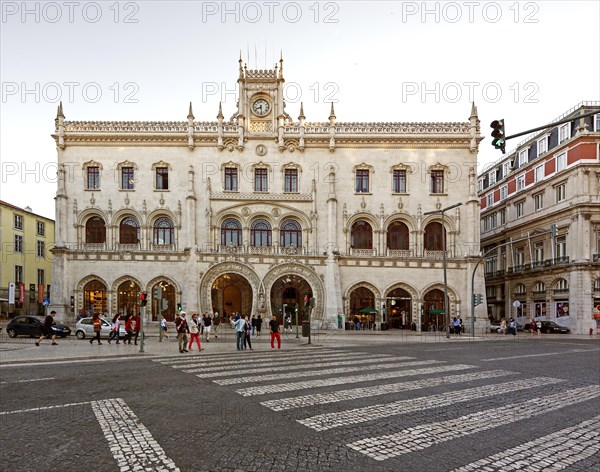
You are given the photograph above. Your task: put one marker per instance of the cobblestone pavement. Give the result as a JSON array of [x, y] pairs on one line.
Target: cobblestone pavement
[[386, 407]]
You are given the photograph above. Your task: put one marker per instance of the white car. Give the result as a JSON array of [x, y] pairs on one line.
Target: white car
[[85, 327]]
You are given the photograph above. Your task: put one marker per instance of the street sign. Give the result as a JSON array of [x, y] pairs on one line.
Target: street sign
[[46, 301], [516, 303]]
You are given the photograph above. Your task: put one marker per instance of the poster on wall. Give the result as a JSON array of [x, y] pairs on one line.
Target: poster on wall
[[562, 309], [540, 309]]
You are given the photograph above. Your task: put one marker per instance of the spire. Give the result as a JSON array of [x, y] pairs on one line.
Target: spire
[[473, 110], [301, 116], [220, 115], [241, 75], [332, 114], [190, 113], [59, 112], [281, 64]]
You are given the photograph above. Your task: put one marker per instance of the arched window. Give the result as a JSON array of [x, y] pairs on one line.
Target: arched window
[[290, 234], [129, 231], [260, 233], [562, 285], [164, 231], [434, 237], [520, 289], [361, 235], [397, 236], [539, 287], [95, 230], [231, 232]]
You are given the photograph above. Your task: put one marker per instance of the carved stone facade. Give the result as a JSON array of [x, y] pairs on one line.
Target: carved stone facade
[[247, 213]]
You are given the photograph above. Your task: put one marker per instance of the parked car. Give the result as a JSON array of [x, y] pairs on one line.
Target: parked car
[[495, 326], [552, 327], [85, 327], [28, 325]]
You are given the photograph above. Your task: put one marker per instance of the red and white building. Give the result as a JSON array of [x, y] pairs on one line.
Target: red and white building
[[551, 180]]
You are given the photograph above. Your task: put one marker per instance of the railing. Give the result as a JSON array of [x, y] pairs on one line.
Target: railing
[[162, 247], [518, 295], [560, 290], [561, 260], [362, 252], [92, 247], [128, 247], [400, 253], [537, 293]]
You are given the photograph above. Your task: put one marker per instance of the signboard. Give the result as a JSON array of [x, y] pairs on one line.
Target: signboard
[[516, 303], [21, 292], [45, 302], [11, 293]]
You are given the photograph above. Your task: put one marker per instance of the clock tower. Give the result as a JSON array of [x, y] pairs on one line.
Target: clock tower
[[261, 106]]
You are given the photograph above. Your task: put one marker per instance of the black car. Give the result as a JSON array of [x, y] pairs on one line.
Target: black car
[[552, 327], [32, 326]]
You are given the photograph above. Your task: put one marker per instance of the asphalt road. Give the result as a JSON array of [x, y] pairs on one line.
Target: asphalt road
[[531, 405]]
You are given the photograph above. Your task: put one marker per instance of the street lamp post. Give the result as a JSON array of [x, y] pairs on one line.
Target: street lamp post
[[446, 311]]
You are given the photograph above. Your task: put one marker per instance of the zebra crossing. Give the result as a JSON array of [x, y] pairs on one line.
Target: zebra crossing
[[394, 416]]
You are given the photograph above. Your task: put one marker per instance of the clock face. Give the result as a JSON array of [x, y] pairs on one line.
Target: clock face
[[261, 107]]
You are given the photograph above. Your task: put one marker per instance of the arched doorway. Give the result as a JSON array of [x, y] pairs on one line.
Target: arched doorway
[[94, 298], [128, 298], [163, 301], [231, 293], [433, 311], [399, 308], [362, 307], [289, 295]]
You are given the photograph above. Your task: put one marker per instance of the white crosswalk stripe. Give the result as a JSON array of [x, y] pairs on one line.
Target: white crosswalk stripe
[[555, 451], [401, 407], [274, 367], [222, 366], [424, 436], [246, 356], [340, 370], [288, 403], [288, 387]]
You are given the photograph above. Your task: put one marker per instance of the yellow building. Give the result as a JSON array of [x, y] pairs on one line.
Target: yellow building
[[25, 240]]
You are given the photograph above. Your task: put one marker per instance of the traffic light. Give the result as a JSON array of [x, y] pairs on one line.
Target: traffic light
[[312, 302], [498, 135], [477, 299], [296, 309], [143, 298], [179, 307], [306, 300], [553, 231]]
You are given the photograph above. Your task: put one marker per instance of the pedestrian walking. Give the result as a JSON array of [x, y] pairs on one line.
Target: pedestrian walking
[[532, 326], [97, 322], [47, 331], [163, 326], [181, 325], [538, 326], [128, 328], [456, 325], [253, 323], [216, 323], [114, 328], [137, 324], [207, 325], [259, 322], [340, 321], [275, 334], [503, 326], [248, 331], [240, 331], [194, 332]]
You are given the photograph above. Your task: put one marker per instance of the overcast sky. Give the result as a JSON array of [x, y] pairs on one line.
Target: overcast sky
[[526, 62]]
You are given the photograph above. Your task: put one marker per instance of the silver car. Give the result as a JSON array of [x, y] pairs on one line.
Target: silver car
[[85, 327]]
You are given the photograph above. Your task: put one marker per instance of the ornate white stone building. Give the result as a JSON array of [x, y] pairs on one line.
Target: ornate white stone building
[[257, 213]]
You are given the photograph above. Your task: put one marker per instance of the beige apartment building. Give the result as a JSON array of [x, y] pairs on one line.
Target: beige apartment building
[[540, 225], [26, 240], [265, 214]]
